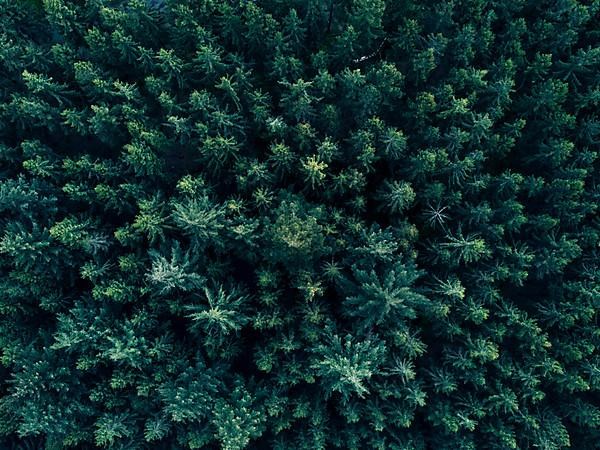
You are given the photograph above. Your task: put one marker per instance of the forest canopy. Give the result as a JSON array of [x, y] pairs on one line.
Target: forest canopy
[[299, 224]]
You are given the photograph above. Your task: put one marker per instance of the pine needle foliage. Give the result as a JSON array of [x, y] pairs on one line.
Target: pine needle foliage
[[285, 224]]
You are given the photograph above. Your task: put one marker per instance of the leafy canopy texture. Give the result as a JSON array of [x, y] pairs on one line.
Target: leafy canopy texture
[[299, 224]]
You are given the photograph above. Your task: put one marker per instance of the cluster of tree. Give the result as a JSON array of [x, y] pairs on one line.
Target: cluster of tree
[[300, 224]]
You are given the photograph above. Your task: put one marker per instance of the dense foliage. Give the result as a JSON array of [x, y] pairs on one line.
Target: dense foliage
[[300, 224]]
